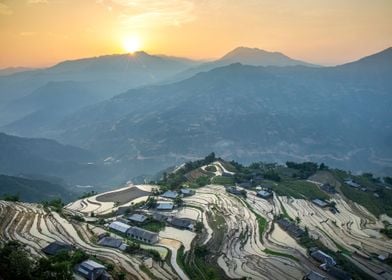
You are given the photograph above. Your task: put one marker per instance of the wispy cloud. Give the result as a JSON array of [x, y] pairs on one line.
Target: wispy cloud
[[37, 1], [152, 13], [27, 33], [5, 10]]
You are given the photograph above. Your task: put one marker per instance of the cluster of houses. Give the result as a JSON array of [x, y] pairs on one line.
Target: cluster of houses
[[328, 188], [323, 204], [234, 190], [168, 205], [350, 182], [328, 264], [133, 232], [265, 193], [88, 269], [291, 228]]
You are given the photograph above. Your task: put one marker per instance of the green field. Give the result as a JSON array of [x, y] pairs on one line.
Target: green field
[[299, 189], [222, 180], [375, 205]]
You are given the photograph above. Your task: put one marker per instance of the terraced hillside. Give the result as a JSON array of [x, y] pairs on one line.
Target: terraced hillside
[[236, 232]]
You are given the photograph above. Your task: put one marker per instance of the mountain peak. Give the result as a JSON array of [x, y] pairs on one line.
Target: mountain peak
[[259, 57], [246, 51]]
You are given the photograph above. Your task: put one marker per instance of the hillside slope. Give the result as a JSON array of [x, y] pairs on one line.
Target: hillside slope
[[245, 113]]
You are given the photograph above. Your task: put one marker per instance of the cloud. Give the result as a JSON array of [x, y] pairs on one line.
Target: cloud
[[27, 33], [153, 13], [37, 1], [5, 10]]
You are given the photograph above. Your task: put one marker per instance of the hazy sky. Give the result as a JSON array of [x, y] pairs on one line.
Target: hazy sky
[[42, 32]]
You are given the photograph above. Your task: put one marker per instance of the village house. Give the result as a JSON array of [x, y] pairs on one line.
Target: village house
[[159, 217], [91, 270], [328, 188], [351, 183], [187, 192], [181, 223], [137, 218], [143, 235], [320, 203], [235, 191], [119, 226], [56, 247], [291, 228], [110, 242], [170, 194], [165, 206], [323, 258], [264, 194]]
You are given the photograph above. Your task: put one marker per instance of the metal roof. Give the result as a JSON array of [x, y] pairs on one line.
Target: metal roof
[[90, 265], [137, 218], [142, 233], [320, 202], [110, 242], [181, 222], [119, 226], [187, 191], [264, 193], [56, 247], [165, 205], [323, 257], [170, 194]]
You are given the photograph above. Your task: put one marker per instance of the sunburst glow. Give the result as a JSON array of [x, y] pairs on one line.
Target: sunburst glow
[[132, 44]]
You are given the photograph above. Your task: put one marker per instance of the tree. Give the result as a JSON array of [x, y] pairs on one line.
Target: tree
[[388, 180], [178, 201], [297, 220], [199, 227], [210, 158], [323, 166], [11, 197]]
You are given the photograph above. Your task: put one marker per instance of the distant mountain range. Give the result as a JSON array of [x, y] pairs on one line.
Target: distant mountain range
[[247, 112], [282, 110], [13, 70], [41, 158], [246, 56], [30, 190], [105, 76]]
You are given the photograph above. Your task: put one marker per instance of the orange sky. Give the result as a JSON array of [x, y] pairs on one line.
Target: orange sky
[[43, 32]]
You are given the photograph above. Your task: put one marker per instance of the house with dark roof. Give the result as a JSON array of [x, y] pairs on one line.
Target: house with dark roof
[[170, 194], [181, 223], [143, 235], [351, 183], [137, 218], [339, 273], [110, 242], [313, 275], [234, 190], [324, 258], [57, 247], [187, 192], [320, 203], [159, 217], [91, 270], [264, 194], [291, 228], [328, 188]]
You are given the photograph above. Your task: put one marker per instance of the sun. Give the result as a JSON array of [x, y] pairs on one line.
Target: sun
[[132, 44]]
